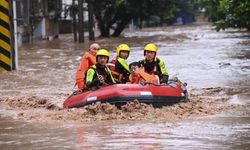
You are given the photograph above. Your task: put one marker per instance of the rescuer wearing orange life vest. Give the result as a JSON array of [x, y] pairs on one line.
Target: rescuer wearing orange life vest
[[88, 59], [118, 66]]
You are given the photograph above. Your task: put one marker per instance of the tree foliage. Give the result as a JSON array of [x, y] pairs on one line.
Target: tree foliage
[[120, 12], [117, 14], [186, 9], [228, 13]]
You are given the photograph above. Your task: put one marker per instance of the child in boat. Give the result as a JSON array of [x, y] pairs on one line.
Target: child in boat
[[139, 76], [88, 59], [99, 74], [118, 66]]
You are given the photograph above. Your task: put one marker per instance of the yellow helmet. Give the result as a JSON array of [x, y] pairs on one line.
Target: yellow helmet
[[151, 47], [102, 52], [122, 47]]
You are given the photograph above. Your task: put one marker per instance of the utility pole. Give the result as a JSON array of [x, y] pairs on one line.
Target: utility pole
[[15, 62], [91, 20], [74, 20], [80, 17]]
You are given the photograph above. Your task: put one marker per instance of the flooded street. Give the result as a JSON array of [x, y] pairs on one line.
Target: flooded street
[[215, 65]]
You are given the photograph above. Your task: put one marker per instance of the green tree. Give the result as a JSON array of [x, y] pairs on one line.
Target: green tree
[[186, 9], [228, 13], [117, 14], [236, 14], [120, 12], [211, 9]]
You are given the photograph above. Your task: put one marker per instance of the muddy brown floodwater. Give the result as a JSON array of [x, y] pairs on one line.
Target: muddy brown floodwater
[[216, 66]]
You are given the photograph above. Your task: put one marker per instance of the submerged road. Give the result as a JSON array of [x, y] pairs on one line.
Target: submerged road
[[216, 66]]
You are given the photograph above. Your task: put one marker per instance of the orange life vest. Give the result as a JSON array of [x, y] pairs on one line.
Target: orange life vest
[[142, 76], [117, 76], [88, 60], [111, 65]]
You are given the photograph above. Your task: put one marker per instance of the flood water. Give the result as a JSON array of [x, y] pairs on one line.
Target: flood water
[[216, 66]]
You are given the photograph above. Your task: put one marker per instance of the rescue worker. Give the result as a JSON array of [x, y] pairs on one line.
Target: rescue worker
[[99, 74], [153, 64], [118, 66], [88, 59]]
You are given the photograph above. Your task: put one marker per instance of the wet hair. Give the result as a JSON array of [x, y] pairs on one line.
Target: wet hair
[[134, 64]]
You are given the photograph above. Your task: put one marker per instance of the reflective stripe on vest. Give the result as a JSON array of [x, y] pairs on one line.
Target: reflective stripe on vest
[[111, 66]]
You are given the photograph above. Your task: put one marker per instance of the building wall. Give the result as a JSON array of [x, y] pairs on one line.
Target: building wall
[[36, 21]]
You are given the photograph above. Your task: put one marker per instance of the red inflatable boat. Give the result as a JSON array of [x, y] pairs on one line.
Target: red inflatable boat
[[119, 94]]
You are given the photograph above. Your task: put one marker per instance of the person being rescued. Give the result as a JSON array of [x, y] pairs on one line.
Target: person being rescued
[[154, 65], [99, 74], [118, 66], [139, 76], [88, 59]]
